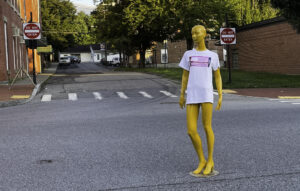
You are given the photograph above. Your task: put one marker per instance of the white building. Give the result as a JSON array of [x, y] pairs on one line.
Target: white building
[[87, 53]]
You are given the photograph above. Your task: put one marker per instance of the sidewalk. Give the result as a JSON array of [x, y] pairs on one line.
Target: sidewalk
[[281, 93], [23, 90]]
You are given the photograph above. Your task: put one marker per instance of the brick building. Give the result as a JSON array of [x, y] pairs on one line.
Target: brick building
[[12, 48], [269, 46]]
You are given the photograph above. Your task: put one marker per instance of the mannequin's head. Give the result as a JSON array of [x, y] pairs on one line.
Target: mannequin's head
[[198, 33]]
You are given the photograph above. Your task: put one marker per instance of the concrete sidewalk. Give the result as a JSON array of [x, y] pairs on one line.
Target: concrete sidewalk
[[281, 93], [23, 90]]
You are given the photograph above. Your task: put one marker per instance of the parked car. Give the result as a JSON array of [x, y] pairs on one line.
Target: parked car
[[75, 59], [115, 61], [65, 60]]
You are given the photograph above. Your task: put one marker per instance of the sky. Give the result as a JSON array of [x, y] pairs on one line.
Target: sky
[[84, 5]]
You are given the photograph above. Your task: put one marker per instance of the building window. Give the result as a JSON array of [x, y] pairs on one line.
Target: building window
[[6, 45], [235, 59]]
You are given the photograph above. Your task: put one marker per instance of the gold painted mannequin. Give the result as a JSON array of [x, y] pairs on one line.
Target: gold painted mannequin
[[198, 35]]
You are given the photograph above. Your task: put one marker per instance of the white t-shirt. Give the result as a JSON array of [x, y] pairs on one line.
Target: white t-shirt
[[200, 65]]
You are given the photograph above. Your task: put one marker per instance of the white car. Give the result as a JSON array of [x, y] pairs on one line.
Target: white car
[[65, 60], [115, 61]]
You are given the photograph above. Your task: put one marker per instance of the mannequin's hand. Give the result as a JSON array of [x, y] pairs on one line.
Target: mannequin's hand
[[182, 102], [219, 102]]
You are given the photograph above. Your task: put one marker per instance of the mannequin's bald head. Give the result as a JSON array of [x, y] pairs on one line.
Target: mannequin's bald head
[[198, 33]]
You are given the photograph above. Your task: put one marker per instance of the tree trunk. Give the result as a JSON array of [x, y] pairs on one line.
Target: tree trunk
[[142, 56], [120, 57], [189, 43]]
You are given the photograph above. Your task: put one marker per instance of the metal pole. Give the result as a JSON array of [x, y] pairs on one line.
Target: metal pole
[[228, 55], [165, 54], [33, 68], [31, 45]]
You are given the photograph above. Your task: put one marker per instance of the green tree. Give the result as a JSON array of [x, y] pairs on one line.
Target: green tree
[[111, 29], [57, 22], [139, 23], [249, 11], [84, 29], [290, 10], [63, 27], [174, 19]]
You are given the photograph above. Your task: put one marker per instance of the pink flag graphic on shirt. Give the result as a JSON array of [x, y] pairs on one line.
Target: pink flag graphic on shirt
[[200, 61]]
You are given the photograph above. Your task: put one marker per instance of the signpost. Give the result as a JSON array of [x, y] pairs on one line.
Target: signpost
[[32, 32], [227, 37]]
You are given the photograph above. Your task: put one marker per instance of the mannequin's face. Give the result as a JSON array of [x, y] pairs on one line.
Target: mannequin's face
[[198, 33]]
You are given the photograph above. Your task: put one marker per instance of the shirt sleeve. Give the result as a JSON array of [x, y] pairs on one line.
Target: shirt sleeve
[[184, 63], [216, 62]]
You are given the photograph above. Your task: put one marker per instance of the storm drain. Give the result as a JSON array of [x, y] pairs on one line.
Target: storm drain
[[170, 102], [45, 161]]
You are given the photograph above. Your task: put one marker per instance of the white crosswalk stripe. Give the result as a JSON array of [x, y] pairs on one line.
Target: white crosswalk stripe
[[97, 95], [46, 98], [72, 96], [168, 94], [291, 101], [122, 95], [145, 94]]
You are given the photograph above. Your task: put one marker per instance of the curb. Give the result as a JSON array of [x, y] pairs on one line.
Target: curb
[[20, 102], [35, 91]]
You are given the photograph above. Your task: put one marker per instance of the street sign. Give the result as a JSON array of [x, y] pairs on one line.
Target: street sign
[[227, 36], [32, 31]]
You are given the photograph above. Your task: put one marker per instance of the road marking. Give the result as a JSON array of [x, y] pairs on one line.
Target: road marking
[[122, 95], [228, 91], [216, 93], [274, 99], [97, 96], [46, 97], [296, 103], [168, 94], [289, 97], [20, 97], [72, 96], [145, 94]]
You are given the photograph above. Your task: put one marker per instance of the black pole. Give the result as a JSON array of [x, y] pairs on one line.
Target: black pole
[[228, 55], [32, 44], [33, 68]]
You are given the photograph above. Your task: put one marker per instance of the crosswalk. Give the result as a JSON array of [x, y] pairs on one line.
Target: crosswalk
[[289, 101], [98, 96], [72, 96]]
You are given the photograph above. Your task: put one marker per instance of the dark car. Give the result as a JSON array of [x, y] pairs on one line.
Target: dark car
[[75, 59]]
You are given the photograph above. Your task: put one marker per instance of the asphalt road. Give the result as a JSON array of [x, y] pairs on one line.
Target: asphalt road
[[92, 129]]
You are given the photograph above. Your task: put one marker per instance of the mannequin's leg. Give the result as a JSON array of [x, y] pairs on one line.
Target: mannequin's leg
[[207, 110], [192, 111]]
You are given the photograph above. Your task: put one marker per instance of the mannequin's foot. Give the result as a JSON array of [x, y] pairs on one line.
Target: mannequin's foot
[[200, 167], [209, 168]]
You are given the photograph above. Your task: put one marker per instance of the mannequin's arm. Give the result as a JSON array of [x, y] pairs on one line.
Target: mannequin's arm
[[218, 80], [185, 78]]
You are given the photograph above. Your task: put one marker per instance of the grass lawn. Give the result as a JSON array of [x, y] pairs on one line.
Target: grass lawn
[[240, 79]]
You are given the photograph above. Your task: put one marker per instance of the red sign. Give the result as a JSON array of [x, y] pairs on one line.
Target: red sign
[[228, 36], [32, 31]]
